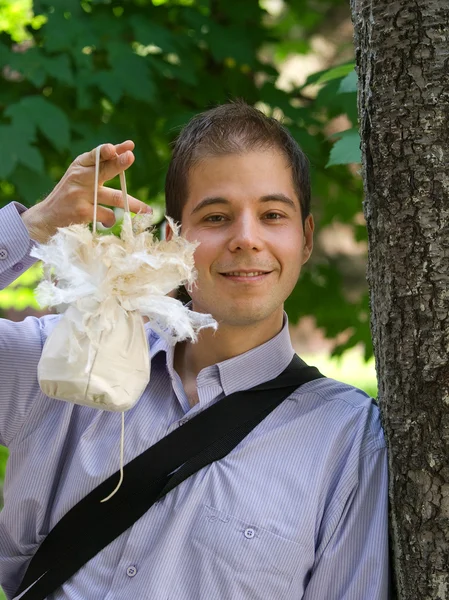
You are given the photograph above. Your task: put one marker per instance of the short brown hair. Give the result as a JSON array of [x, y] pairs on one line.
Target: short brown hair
[[233, 128]]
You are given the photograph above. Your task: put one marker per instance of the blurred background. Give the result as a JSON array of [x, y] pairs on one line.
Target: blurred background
[[77, 73]]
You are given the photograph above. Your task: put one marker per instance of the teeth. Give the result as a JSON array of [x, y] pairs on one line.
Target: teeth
[[239, 274]]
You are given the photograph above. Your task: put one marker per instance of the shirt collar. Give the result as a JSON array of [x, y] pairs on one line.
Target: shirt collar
[[241, 372], [259, 364]]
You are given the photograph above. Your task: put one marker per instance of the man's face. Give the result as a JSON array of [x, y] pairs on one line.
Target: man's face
[[244, 211]]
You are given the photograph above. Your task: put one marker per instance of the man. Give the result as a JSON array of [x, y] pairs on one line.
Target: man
[[298, 510]]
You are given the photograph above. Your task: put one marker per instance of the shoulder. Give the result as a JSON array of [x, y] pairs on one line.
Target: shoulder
[[343, 407]]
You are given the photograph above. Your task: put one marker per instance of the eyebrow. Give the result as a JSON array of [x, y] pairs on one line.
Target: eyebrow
[[267, 198], [208, 202], [279, 198]]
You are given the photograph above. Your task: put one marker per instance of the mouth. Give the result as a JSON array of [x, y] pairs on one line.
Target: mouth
[[246, 275]]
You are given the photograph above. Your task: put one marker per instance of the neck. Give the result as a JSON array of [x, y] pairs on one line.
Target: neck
[[216, 346]]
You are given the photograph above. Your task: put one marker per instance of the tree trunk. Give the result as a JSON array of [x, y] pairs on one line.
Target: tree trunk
[[402, 55]]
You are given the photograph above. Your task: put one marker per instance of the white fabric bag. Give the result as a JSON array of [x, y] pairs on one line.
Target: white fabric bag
[[97, 354]]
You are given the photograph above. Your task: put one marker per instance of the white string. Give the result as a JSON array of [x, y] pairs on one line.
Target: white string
[[122, 445], [97, 174], [124, 192], [97, 177]]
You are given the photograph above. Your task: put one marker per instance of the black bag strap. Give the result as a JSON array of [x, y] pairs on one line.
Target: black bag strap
[[207, 437]]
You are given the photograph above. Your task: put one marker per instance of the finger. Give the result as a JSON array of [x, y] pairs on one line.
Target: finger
[[105, 216], [111, 197], [88, 159], [113, 167], [124, 146], [107, 152]]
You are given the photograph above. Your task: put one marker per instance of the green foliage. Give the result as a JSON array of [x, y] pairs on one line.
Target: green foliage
[[86, 72], [20, 295], [321, 294], [16, 16], [3, 459], [347, 149]]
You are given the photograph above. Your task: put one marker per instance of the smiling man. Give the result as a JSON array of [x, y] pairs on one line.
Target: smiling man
[[298, 510], [252, 246]]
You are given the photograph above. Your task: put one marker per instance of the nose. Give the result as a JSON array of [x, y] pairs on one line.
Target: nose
[[245, 234]]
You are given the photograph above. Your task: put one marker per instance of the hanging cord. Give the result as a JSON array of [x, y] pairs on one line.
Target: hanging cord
[[97, 177], [122, 445], [94, 231], [97, 173]]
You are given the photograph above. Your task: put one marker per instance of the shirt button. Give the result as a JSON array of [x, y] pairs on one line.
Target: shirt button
[[3, 254], [18, 267], [131, 571], [249, 533], [183, 422]]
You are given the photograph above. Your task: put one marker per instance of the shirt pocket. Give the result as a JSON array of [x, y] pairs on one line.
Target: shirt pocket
[[231, 559]]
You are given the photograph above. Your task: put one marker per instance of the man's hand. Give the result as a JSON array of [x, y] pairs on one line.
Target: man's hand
[[72, 199]]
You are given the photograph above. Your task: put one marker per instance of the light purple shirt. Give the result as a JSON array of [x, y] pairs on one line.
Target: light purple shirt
[[298, 510]]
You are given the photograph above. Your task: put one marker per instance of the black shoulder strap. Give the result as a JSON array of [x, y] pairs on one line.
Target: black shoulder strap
[[211, 435]]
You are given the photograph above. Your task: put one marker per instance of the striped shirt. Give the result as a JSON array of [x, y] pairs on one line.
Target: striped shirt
[[298, 510]]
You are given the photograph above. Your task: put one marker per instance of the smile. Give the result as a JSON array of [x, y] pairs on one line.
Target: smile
[[244, 274]]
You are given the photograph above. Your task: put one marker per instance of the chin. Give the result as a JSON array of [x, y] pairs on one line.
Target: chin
[[245, 318]]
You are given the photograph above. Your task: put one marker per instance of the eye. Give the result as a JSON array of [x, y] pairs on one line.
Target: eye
[[214, 218], [273, 216]]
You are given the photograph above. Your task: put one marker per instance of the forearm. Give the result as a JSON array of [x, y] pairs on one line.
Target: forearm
[[15, 244]]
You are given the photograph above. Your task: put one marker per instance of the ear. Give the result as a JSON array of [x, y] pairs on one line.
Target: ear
[[309, 227]]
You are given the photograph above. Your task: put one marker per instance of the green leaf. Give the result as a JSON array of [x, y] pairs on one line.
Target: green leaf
[[329, 74], [347, 149], [348, 84], [16, 148], [32, 158], [110, 83], [59, 68], [233, 43], [8, 158], [184, 72], [149, 33], [60, 32], [32, 186], [137, 78], [133, 71], [30, 65], [21, 120], [335, 73], [50, 119], [35, 66]]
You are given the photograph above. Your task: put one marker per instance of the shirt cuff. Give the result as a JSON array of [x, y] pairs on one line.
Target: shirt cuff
[[15, 244]]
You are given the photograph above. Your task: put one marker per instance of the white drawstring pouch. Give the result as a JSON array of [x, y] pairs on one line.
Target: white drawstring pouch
[[97, 355]]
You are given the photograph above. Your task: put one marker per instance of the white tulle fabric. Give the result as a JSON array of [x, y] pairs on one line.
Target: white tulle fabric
[[97, 354]]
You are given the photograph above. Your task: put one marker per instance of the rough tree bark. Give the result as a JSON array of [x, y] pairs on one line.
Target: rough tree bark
[[402, 55]]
